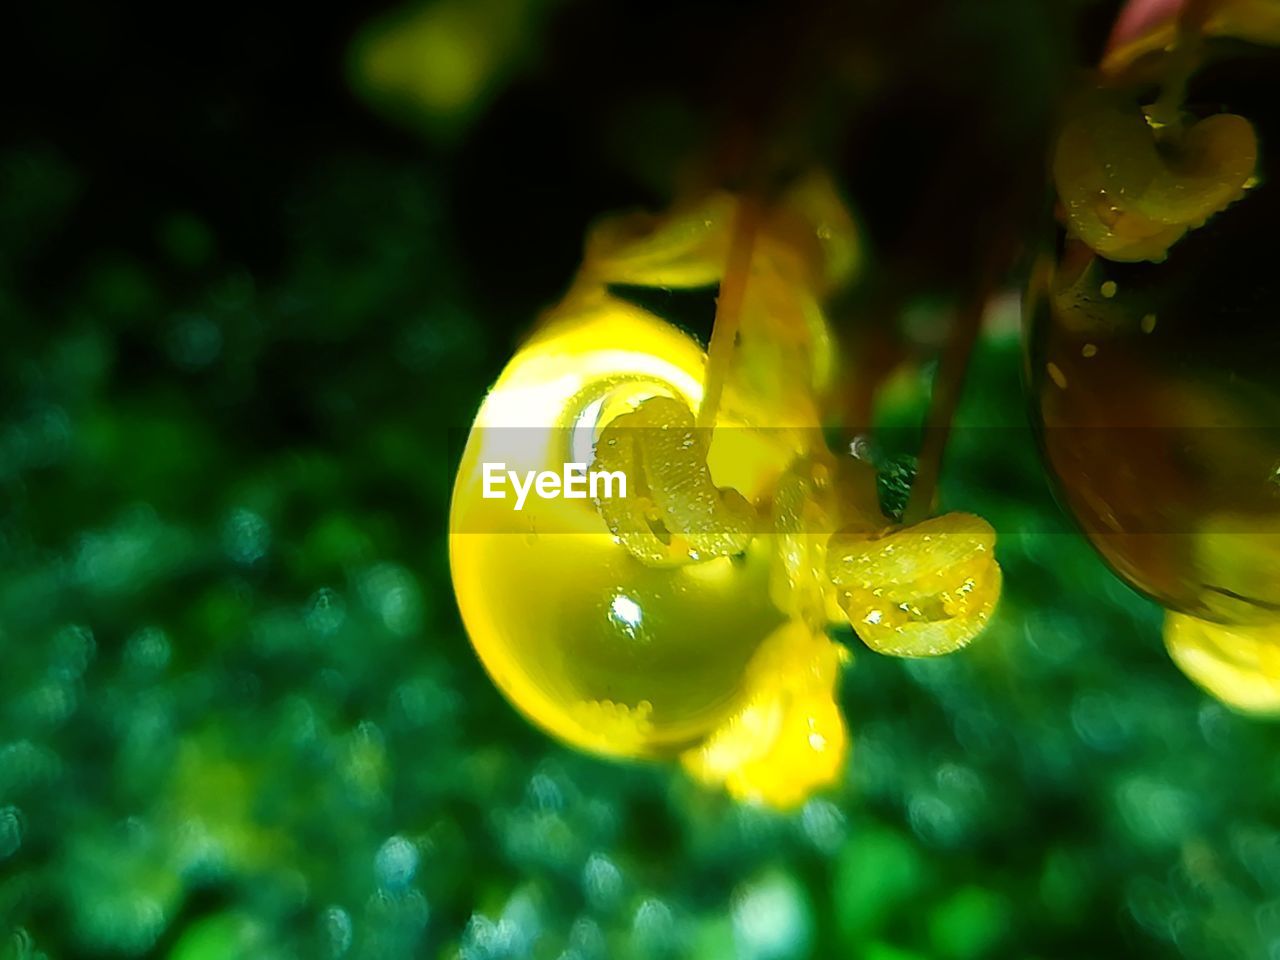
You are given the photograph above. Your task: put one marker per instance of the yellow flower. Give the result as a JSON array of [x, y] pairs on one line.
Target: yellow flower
[[687, 618]]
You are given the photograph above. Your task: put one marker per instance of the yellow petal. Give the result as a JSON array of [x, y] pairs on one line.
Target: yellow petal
[[672, 511], [918, 591], [788, 739], [1240, 665], [1130, 198]]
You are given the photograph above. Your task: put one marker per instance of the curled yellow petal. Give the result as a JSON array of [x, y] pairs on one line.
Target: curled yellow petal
[[1206, 172], [918, 591], [1130, 196], [788, 739], [805, 247], [672, 511], [803, 508], [814, 223], [685, 247], [1240, 665], [813, 497]]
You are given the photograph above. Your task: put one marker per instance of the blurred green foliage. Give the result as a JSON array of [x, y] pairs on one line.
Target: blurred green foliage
[[239, 717]]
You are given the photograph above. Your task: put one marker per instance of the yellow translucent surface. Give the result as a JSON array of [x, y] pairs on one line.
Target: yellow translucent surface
[[1240, 665], [1160, 418], [606, 652], [918, 591], [1156, 390]]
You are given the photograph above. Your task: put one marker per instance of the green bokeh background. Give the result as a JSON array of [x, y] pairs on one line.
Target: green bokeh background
[[248, 303]]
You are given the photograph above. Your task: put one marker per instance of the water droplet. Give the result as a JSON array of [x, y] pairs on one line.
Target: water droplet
[[147, 651], [587, 941], [396, 863], [194, 341], [74, 649], [520, 922], [337, 929], [393, 595], [1157, 812], [544, 793], [1056, 375], [326, 612], [860, 449], [601, 882], [654, 928], [11, 830], [245, 537], [771, 920], [823, 825], [21, 946]]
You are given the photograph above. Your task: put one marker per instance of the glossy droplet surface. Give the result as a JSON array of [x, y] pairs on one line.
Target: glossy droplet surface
[[607, 651], [687, 617], [1156, 386], [631, 627], [1156, 390]]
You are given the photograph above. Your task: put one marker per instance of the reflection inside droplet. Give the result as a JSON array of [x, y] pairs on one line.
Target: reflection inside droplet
[[625, 612]]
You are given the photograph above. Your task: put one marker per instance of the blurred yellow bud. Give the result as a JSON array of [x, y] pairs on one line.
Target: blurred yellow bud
[[438, 61], [1240, 665]]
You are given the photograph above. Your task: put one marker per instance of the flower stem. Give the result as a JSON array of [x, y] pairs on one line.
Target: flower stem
[[947, 388], [1185, 57], [724, 332]]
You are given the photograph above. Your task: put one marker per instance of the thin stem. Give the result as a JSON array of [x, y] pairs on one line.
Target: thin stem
[[954, 363], [1192, 19], [724, 332], [1167, 110], [947, 388]]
